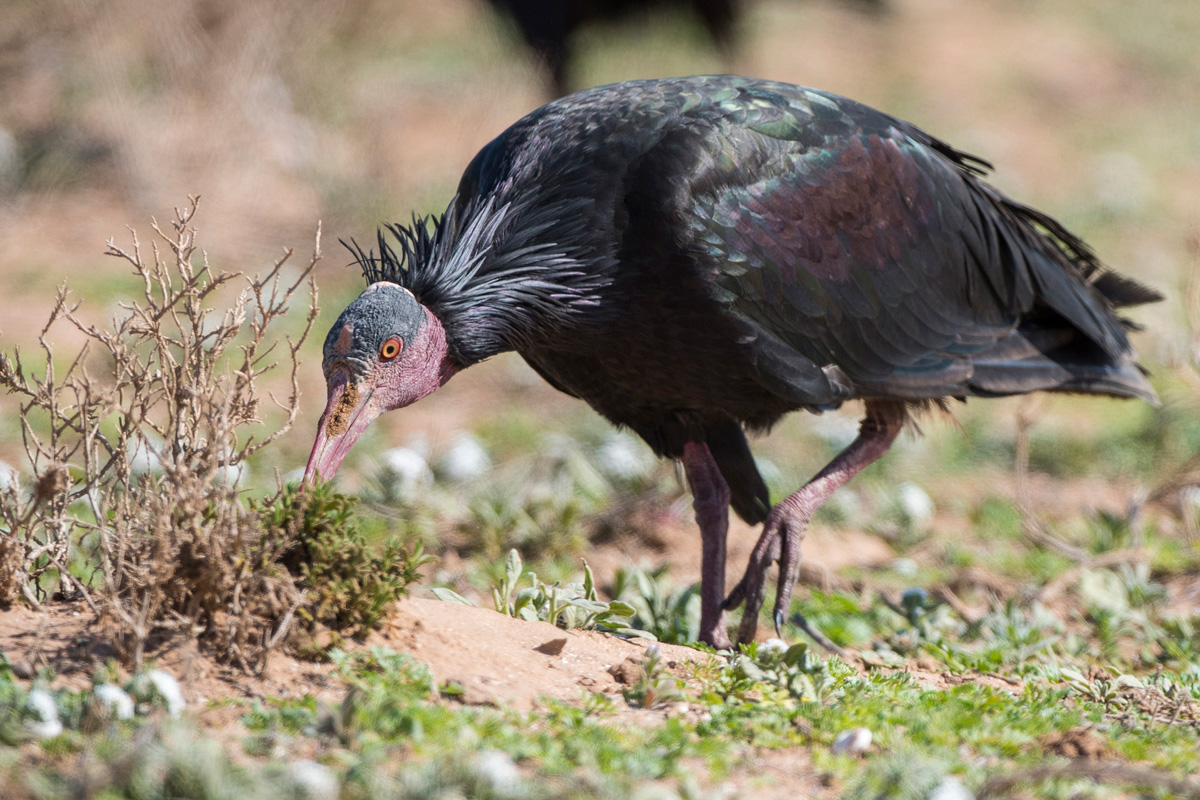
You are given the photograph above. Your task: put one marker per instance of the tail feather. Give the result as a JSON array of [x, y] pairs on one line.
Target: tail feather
[[1056, 360], [1069, 279], [1122, 291], [1072, 340]]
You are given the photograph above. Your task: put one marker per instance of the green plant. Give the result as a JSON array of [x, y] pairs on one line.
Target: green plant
[[349, 584], [901, 776], [795, 669], [669, 613], [570, 606], [653, 686], [546, 524], [1100, 688]]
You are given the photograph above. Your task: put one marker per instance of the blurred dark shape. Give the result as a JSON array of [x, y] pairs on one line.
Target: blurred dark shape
[[64, 154], [549, 26]]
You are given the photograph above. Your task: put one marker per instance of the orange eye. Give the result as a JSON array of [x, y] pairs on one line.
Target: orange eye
[[390, 349]]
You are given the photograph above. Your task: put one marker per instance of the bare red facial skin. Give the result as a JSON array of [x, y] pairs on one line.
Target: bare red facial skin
[[421, 368]]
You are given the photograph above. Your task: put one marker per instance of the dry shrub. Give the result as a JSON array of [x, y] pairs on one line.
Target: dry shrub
[[137, 444]]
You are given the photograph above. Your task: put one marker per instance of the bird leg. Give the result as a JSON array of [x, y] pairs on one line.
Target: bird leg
[[710, 499], [785, 525]]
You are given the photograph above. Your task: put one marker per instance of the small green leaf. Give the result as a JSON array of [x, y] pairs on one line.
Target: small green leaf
[[620, 609], [795, 654], [450, 596], [1071, 674], [1128, 682], [525, 598], [500, 603], [747, 669], [589, 582], [637, 633], [512, 567], [593, 606]]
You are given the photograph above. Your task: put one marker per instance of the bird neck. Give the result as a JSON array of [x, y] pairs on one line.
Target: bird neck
[[432, 356]]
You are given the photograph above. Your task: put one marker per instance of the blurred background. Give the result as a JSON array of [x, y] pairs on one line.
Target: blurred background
[[359, 112]]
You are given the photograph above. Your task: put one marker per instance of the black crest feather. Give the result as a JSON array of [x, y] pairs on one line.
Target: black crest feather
[[486, 271]]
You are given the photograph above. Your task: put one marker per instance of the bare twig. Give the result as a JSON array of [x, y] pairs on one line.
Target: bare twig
[[1112, 558], [1030, 525], [136, 463]]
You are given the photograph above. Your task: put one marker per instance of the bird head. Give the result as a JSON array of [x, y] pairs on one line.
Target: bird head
[[385, 351]]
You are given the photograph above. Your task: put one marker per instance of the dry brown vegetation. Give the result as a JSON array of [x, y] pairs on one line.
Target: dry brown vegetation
[[137, 442]]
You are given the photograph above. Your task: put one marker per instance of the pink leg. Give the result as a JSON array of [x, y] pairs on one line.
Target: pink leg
[[788, 520], [710, 499]]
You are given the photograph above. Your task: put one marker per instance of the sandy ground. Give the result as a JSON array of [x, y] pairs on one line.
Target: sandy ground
[[489, 659]]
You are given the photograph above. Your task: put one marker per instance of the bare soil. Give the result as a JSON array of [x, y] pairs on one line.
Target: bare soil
[[488, 658]]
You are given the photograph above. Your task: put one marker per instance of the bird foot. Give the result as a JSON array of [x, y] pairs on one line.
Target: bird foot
[[716, 635], [780, 541], [752, 588], [785, 525]]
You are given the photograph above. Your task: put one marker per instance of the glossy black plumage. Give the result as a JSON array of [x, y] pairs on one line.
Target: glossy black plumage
[[695, 255]]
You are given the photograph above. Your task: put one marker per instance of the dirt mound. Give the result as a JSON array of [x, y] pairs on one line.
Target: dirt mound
[[498, 660], [491, 658]]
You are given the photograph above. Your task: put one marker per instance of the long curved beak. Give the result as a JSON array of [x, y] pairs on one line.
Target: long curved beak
[[347, 414]]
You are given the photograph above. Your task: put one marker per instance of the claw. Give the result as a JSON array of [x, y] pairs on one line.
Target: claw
[[755, 589], [752, 587], [779, 623]]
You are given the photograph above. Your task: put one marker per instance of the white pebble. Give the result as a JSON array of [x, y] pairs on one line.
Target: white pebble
[[407, 469], [317, 781], [115, 699], [773, 645], [168, 688], [465, 459], [904, 567], [951, 788], [623, 458], [498, 770], [852, 741], [915, 502], [47, 725]]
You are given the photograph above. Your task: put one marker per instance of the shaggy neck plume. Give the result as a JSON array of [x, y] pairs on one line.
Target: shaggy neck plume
[[494, 275]]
